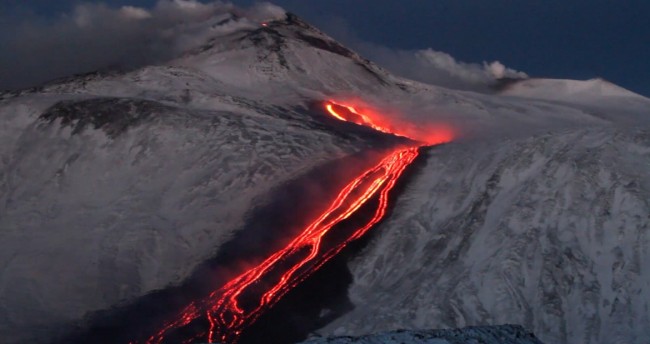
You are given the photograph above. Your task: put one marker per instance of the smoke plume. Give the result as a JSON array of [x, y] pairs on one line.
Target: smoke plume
[[96, 36], [425, 65]]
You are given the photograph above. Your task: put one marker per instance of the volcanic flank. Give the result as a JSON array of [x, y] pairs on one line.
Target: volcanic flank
[[179, 202]]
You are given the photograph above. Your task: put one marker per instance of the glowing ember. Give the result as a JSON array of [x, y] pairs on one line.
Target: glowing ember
[[235, 306]]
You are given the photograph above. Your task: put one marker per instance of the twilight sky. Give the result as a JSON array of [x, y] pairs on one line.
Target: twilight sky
[[576, 39]]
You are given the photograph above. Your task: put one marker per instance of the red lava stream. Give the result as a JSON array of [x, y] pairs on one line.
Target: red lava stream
[[229, 309]]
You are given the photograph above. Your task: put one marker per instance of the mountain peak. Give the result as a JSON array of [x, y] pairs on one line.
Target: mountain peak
[[287, 50], [293, 27]]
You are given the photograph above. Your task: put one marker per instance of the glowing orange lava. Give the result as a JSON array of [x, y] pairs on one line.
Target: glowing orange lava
[[427, 134], [355, 117], [235, 306], [223, 309]]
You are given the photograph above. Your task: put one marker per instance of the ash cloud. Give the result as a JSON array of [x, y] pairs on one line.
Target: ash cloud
[[96, 37]]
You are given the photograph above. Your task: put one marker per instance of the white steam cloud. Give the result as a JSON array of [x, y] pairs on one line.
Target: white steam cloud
[[427, 65], [96, 36], [439, 68], [436, 62]]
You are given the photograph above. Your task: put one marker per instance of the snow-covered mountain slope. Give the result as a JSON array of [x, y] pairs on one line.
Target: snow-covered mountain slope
[[504, 334], [550, 232], [571, 90], [287, 62], [105, 199], [599, 97], [116, 184]]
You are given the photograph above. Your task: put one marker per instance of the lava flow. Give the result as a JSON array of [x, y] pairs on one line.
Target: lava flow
[[362, 114], [230, 309], [352, 115]]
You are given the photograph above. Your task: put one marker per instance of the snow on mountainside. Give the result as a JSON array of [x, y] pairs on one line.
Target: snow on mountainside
[[555, 89], [105, 199], [598, 97], [505, 334], [290, 54], [116, 184], [551, 232]]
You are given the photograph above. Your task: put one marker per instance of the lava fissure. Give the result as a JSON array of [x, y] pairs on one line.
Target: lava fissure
[[236, 305], [354, 116]]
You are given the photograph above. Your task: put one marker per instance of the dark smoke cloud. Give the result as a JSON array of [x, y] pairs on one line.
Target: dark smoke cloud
[[425, 65], [96, 36]]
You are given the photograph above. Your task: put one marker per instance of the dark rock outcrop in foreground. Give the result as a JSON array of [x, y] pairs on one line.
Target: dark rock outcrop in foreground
[[503, 334]]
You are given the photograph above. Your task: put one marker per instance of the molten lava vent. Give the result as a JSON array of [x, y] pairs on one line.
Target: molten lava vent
[[364, 115]]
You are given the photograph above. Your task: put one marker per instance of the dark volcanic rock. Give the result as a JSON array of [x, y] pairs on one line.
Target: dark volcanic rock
[[113, 115], [502, 334]]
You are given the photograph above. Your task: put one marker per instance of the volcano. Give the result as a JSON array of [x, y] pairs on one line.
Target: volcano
[[140, 205]]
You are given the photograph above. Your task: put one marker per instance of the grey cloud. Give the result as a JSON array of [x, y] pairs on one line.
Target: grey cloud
[[96, 36]]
